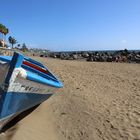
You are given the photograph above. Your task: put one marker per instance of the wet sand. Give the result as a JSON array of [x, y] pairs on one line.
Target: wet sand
[[99, 101]]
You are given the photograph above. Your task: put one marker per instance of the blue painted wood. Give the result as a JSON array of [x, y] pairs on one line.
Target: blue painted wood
[[48, 79], [34, 77], [6, 58], [14, 63], [34, 62], [39, 73], [19, 101], [13, 102]]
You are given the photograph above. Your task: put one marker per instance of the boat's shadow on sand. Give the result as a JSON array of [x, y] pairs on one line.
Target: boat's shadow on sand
[[10, 129]]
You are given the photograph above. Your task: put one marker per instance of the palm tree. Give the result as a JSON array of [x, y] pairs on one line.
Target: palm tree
[[24, 47], [3, 31], [12, 41]]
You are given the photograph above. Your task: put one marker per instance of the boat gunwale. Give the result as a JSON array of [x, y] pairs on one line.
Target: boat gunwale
[[48, 79]]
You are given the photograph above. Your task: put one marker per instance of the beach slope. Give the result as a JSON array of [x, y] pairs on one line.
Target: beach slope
[[99, 101]]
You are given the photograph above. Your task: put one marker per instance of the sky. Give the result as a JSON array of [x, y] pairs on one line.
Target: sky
[[68, 25]]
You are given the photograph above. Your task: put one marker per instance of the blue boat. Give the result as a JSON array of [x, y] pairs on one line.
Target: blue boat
[[24, 84]]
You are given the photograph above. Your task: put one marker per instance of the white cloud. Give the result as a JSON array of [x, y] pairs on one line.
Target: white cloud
[[124, 41]]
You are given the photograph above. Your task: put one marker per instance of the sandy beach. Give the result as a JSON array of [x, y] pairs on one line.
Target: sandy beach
[[99, 101]]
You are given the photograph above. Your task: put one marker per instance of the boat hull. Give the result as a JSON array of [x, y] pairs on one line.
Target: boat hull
[[24, 84]]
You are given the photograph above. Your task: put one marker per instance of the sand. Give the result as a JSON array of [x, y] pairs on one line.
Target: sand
[[99, 101]]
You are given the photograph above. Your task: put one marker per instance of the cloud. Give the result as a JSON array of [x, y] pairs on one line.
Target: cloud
[[124, 41]]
